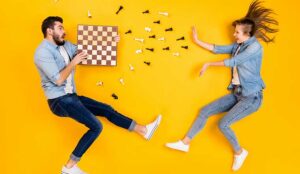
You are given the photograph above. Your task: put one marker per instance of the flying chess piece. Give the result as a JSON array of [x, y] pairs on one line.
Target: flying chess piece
[[120, 8], [138, 51], [150, 49], [164, 13], [122, 81], [185, 47], [157, 22], [128, 32], [147, 63], [169, 29], [139, 39], [148, 29], [161, 39], [115, 96], [146, 12], [182, 38], [176, 54], [153, 36], [89, 14], [131, 67], [99, 83], [167, 48]]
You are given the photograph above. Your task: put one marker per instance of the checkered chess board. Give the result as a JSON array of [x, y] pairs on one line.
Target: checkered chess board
[[98, 42]]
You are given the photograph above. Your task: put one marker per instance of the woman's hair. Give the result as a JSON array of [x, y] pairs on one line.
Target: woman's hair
[[258, 22]]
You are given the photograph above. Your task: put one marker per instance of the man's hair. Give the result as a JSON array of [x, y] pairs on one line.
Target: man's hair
[[49, 23]]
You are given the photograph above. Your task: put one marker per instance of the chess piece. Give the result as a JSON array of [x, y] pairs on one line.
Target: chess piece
[[139, 39], [164, 13], [146, 12], [169, 29], [153, 36], [157, 22], [120, 8], [122, 81], [131, 67], [161, 39], [185, 47], [138, 51], [89, 14], [167, 48], [115, 96], [99, 83], [148, 29], [150, 49], [182, 38], [128, 32], [147, 63], [176, 54]]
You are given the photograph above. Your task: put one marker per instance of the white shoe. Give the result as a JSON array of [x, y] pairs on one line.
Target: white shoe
[[179, 145], [152, 127], [239, 160], [74, 170]]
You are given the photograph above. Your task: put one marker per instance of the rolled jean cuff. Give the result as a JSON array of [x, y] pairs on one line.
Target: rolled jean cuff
[[132, 125], [74, 158]]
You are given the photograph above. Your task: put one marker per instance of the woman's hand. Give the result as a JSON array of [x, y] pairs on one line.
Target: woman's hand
[[195, 35], [117, 38], [204, 68]]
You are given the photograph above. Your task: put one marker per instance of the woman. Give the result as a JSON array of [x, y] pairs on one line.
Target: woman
[[246, 85]]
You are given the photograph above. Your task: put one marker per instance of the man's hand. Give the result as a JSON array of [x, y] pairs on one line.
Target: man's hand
[[117, 38], [79, 58], [204, 68]]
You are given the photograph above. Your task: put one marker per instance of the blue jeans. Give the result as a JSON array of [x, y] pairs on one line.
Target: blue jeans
[[83, 110], [236, 106]]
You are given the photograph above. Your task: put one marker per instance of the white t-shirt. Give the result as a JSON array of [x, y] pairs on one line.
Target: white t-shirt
[[69, 87]]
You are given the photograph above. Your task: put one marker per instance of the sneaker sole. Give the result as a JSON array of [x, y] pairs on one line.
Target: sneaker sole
[[154, 129]]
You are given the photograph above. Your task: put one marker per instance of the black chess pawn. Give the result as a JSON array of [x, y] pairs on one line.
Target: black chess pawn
[[120, 8], [147, 63], [145, 12], [153, 36], [150, 49], [157, 22], [167, 48], [115, 96], [128, 32], [169, 29], [185, 47], [182, 38]]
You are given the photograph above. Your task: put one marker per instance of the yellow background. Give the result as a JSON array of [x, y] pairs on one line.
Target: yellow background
[[33, 140]]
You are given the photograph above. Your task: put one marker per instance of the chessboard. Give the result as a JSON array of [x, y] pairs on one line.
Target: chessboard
[[98, 42]]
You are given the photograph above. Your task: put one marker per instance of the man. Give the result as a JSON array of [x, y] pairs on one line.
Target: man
[[55, 60]]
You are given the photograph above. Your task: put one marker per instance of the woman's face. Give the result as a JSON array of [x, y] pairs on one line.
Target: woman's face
[[239, 34]]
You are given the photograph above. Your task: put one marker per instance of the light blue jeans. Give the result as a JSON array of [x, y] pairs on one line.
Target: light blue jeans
[[236, 106]]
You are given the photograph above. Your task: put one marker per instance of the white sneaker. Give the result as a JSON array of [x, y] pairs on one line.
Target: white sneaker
[[179, 145], [152, 127], [74, 170], [239, 160]]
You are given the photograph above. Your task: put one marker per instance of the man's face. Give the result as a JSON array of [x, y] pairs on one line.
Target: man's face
[[58, 33]]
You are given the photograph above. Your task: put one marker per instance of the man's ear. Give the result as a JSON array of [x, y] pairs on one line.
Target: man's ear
[[49, 31]]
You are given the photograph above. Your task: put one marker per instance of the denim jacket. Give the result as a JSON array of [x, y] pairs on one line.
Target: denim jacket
[[248, 62], [49, 63]]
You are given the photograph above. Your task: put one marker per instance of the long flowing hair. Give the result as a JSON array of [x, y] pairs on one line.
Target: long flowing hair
[[258, 22]]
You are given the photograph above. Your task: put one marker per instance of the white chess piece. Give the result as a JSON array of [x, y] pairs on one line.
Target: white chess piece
[[122, 81], [164, 13], [148, 29], [176, 54], [139, 39], [89, 14], [99, 83], [138, 51], [131, 67], [161, 39]]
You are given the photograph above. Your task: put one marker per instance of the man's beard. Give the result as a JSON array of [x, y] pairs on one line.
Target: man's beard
[[57, 41]]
